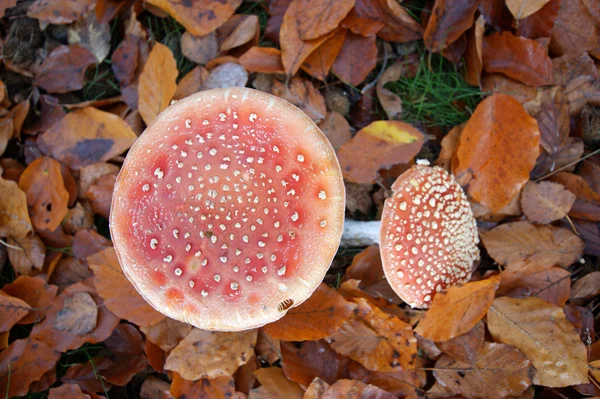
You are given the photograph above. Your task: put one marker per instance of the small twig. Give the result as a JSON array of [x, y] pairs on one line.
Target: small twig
[[569, 165], [10, 245], [379, 75], [572, 225]]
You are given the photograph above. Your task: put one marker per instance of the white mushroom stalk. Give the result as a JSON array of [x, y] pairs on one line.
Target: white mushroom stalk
[[358, 233]]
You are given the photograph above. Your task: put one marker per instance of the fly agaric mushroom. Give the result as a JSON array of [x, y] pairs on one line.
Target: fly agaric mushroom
[[228, 210], [428, 235]]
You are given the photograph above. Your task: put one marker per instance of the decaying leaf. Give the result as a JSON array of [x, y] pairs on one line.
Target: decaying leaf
[[587, 201], [220, 387], [191, 83], [267, 348], [67, 391], [78, 316], [449, 19], [391, 102], [541, 331], [245, 28], [464, 348], [357, 58], [587, 287], [524, 8], [399, 26], [226, 75], [64, 69], [336, 128], [381, 144], [575, 29], [319, 62], [262, 59], [60, 11], [35, 292], [303, 94], [199, 49], [313, 359], [91, 34], [167, 333], [14, 216], [276, 385], [27, 254], [552, 285], [316, 18], [546, 202], [350, 388], [473, 54], [12, 310]]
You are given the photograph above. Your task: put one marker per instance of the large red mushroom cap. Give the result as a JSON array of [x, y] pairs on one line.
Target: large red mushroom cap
[[228, 210], [428, 235]]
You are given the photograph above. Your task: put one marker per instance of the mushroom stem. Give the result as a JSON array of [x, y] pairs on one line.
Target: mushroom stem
[[359, 233]]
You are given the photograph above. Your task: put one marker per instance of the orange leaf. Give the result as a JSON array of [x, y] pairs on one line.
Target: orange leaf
[[199, 49], [546, 202], [541, 331], [14, 216], [399, 25], [587, 202], [100, 194], [319, 62], [64, 69], [29, 259], [523, 8], [464, 348], [67, 391], [551, 285], [12, 309], [400, 383], [497, 151], [167, 333], [357, 58], [267, 348], [60, 12], [262, 59], [540, 23], [457, 310], [377, 340], [199, 17], [36, 293], [321, 315], [244, 31], [217, 388], [119, 295], [47, 196], [449, 19], [575, 30], [381, 144], [473, 54], [361, 26], [317, 18], [336, 128], [587, 287], [517, 57], [157, 83], [313, 359], [303, 94], [354, 388], [275, 384], [191, 83]]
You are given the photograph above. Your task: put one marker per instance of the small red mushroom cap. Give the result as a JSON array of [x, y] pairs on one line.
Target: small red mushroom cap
[[428, 235], [228, 210]]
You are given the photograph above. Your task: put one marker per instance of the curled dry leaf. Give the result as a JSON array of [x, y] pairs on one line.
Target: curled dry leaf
[[276, 385], [35, 292], [357, 58], [523, 8], [226, 75], [191, 83], [379, 341], [29, 259], [587, 202], [319, 316], [391, 102], [319, 62], [64, 69], [497, 151], [12, 310], [199, 49], [167, 333], [157, 82], [86, 136], [303, 94], [458, 310], [350, 388], [553, 119], [221, 387], [381, 144], [313, 359], [473, 54], [546, 202], [552, 285], [317, 18], [541, 331], [262, 59], [211, 354], [449, 19], [399, 26], [14, 216], [498, 371], [245, 29], [47, 197], [586, 288], [61, 11]]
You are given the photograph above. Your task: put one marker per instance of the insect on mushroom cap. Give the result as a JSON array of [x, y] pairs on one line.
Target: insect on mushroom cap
[[428, 235], [228, 209]]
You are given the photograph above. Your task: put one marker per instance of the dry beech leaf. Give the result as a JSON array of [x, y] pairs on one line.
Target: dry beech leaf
[[357, 58], [199, 17], [578, 75], [523, 8], [317, 18], [92, 34], [361, 26], [100, 194], [399, 26], [12, 310], [267, 348], [497, 151], [553, 119], [47, 197], [14, 216], [275, 383], [391, 102], [517, 57], [191, 83], [313, 359], [64, 69], [29, 259], [464, 348], [119, 295], [497, 372], [400, 383], [540, 23], [377, 340], [381, 144], [517, 243], [199, 49], [552, 285], [587, 202], [67, 391], [546, 202], [541, 331], [318, 317], [244, 31], [575, 29], [35, 292], [211, 354], [157, 83], [473, 54], [60, 12], [78, 316], [226, 75], [23, 362], [262, 59], [6, 133], [156, 356], [316, 389], [167, 333], [450, 142], [458, 310], [303, 94], [217, 388], [336, 128], [86, 136], [153, 388], [587, 287], [319, 62], [498, 83], [354, 388], [449, 19]]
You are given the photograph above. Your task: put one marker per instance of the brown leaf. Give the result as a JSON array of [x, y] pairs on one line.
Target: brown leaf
[[276, 385], [6, 133], [473, 54], [524, 8], [267, 348], [464, 348], [587, 287], [575, 30], [100, 194], [497, 151], [47, 197], [499, 371], [313, 359], [262, 59], [60, 11], [517, 57], [448, 21], [211, 354], [199, 17], [156, 356], [318, 317], [191, 83], [29, 259], [391, 103], [36, 293], [14, 216], [587, 202], [78, 316], [244, 31], [399, 25], [361, 26], [126, 59], [357, 58], [400, 383], [157, 83], [199, 49], [226, 75], [64, 69], [154, 388], [577, 73], [546, 202], [350, 388], [540, 23], [457, 310], [167, 333], [303, 94], [336, 128], [12, 310], [67, 391], [379, 341], [541, 331], [23, 362], [319, 62], [316, 389], [317, 18], [553, 120], [86, 136], [381, 144], [217, 388], [552, 285], [119, 295], [541, 247]]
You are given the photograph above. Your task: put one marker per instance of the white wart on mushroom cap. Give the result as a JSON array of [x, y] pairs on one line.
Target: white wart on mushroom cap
[[228, 210], [428, 235]]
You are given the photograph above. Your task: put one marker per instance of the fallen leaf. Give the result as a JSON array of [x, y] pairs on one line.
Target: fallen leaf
[[313, 359], [90, 379], [226, 75], [78, 315], [274, 382], [336, 128], [36, 293], [473, 54], [379, 341], [399, 25], [515, 243], [127, 57], [381, 144], [199, 17], [458, 310], [552, 285], [262, 59], [553, 120], [586, 288], [357, 58], [153, 388], [157, 83], [47, 197], [523, 8], [317, 18], [303, 94], [221, 387], [578, 75], [448, 21], [319, 316], [91, 34], [546, 202], [50, 112], [361, 26], [319, 62], [541, 331], [540, 23], [590, 233], [497, 83], [167, 333], [191, 83], [100, 194], [575, 30], [156, 356], [243, 32], [350, 388], [199, 49], [267, 348], [29, 259], [499, 370], [276, 10], [13, 309], [6, 133], [391, 102], [86, 136], [211, 354], [67, 391], [60, 12], [14, 216], [64, 69], [316, 389], [587, 202], [22, 363], [497, 151], [464, 348], [400, 383], [517, 57]]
